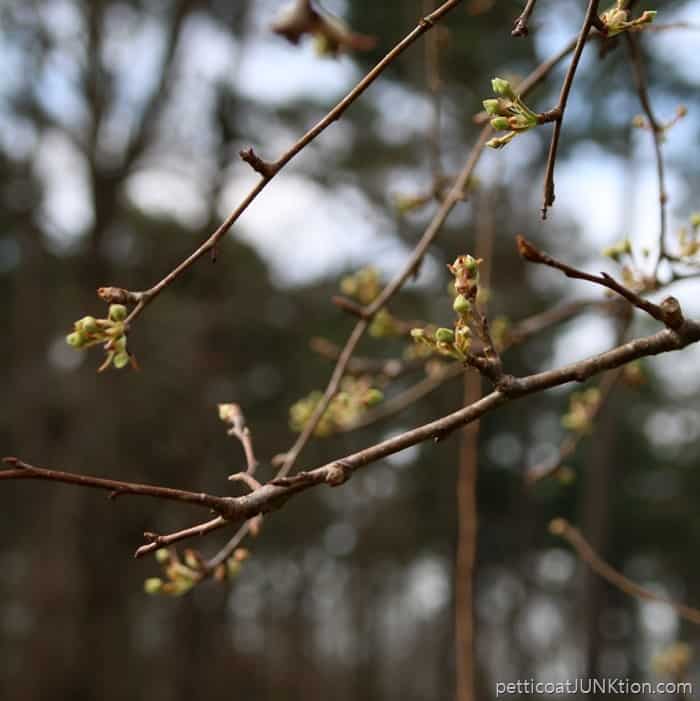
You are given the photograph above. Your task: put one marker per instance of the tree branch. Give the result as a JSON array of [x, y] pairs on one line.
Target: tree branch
[[668, 312], [273, 495], [22, 470], [640, 80], [588, 23], [270, 169], [571, 535]]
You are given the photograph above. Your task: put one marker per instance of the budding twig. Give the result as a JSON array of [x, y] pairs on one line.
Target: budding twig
[[668, 312], [269, 170]]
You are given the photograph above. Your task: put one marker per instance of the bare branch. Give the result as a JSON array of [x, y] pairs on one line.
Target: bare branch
[[588, 23], [640, 80], [269, 170], [668, 312], [571, 535], [116, 488]]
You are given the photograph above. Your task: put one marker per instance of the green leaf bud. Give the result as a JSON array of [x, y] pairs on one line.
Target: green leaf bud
[[492, 106], [88, 324], [121, 360], [162, 556], [500, 123], [153, 585], [443, 335], [117, 312], [461, 305], [120, 344], [76, 339], [502, 88]]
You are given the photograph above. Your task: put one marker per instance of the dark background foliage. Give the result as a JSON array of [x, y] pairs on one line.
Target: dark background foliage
[[120, 123]]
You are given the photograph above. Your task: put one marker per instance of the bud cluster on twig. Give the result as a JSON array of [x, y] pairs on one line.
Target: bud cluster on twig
[[617, 19], [509, 113], [109, 332]]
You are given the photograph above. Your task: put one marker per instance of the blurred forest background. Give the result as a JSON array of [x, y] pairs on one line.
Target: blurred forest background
[[120, 124]]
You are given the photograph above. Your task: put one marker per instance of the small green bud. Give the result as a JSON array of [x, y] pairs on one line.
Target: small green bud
[[461, 305], [502, 88], [162, 556], [120, 344], [471, 263], [121, 360], [695, 220], [373, 397], [153, 585], [75, 339], [501, 141], [492, 106], [417, 334], [443, 335], [500, 123], [88, 324], [117, 312]]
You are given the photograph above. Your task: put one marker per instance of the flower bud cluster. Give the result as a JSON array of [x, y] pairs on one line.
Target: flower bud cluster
[[356, 396], [179, 576], [617, 19], [508, 113], [456, 342], [111, 332]]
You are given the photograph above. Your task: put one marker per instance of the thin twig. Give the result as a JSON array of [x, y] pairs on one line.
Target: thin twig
[[520, 26], [640, 81], [234, 416], [588, 23], [668, 312], [269, 170], [22, 470], [565, 530], [156, 541]]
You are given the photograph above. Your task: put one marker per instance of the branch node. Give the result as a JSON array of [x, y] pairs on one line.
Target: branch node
[[259, 165], [338, 473], [118, 295], [673, 315]]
